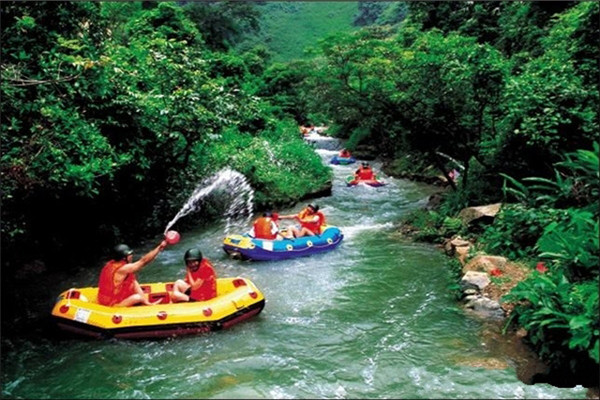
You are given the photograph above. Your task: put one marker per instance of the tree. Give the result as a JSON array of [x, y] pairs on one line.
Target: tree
[[223, 23]]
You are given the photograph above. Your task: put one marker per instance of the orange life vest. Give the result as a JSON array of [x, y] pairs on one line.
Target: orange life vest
[[311, 223], [208, 290], [365, 174], [110, 294], [263, 228]]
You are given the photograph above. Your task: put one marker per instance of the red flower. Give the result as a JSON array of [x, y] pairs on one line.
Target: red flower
[[541, 267], [496, 272]]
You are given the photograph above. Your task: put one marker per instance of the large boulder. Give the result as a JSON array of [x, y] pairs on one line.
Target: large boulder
[[480, 214], [485, 263]]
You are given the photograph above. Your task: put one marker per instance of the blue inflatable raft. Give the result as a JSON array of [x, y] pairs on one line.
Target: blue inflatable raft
[[248, 248], [342, 160]]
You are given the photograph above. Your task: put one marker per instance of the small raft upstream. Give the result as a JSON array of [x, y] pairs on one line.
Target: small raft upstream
[[338, 160], [352, 181]]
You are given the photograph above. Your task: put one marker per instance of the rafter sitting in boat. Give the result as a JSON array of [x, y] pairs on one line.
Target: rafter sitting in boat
[[311, 222]]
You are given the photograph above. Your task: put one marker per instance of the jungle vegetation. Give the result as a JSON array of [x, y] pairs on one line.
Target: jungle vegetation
[[112, 112]]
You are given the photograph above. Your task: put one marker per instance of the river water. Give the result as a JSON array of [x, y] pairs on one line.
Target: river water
[[372, 319]]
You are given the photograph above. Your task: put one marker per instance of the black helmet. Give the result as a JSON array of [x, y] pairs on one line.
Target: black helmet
[[314, 207], [121, 251], [268, 214], [192, 255]]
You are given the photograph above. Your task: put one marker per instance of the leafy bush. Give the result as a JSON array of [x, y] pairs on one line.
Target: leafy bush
[[423, 219], [575, 183], [516, 230], [280, 166], [572, 244], [451, 226], [558, 315]]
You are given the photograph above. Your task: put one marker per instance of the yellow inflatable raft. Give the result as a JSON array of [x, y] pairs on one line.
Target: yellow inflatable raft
[[77, 311]]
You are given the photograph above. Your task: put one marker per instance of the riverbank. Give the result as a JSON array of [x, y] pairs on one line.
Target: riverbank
[[484, 281]]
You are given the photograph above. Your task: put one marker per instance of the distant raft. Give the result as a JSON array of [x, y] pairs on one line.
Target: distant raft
[[342, 160], [76, 311], [351, 181], [248, 248]]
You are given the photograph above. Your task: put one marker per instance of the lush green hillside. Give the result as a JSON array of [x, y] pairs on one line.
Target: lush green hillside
[[288, 28]]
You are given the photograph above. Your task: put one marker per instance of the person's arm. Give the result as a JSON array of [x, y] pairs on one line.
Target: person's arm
[[204, 275], [287, 216], [310, 218], [134, 267], [194, 283]]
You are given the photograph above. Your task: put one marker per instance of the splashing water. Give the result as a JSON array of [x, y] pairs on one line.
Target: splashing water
[[235, 184]]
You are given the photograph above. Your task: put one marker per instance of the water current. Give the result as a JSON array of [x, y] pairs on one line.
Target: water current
[[372, 319]]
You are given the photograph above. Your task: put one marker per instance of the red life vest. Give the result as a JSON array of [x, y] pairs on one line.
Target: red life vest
[[110, 294], [311, 223], [365, 174], [208, 289], [345, 154], [263, 228]]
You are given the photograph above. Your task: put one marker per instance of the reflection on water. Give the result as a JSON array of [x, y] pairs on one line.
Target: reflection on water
[[372, 319]]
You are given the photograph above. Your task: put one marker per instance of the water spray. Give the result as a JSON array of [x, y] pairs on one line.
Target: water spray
[[235, 184]]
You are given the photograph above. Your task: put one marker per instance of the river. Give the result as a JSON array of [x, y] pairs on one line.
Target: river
[[372, 319]]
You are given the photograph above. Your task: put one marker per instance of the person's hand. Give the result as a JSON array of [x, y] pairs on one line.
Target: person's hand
[[162, 245]]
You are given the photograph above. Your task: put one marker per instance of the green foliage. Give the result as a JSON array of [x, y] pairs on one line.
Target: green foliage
[[572, 243], [575, 183], [455, 268], [559, 315], [516, 230], [222, 24], [429, 225], [118, 115], [289, 29], [451, 226], [560, 308], [278, 163], [356, 137]]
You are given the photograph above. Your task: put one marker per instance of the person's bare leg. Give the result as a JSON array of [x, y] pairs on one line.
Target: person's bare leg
[[133, 300], [178, 295], [294, 232], [146, 301]]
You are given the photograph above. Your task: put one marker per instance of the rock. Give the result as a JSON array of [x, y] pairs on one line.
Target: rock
[[485, 263], [450, 247], [474, 280], [462, 253], [483, 303], [486, 213], [485, 307]]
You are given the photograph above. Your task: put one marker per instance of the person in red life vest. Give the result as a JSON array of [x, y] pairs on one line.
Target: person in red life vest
[[311, 222], [200, 282], [345, 153], [266, 227], [118, 285], [364, 172]]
